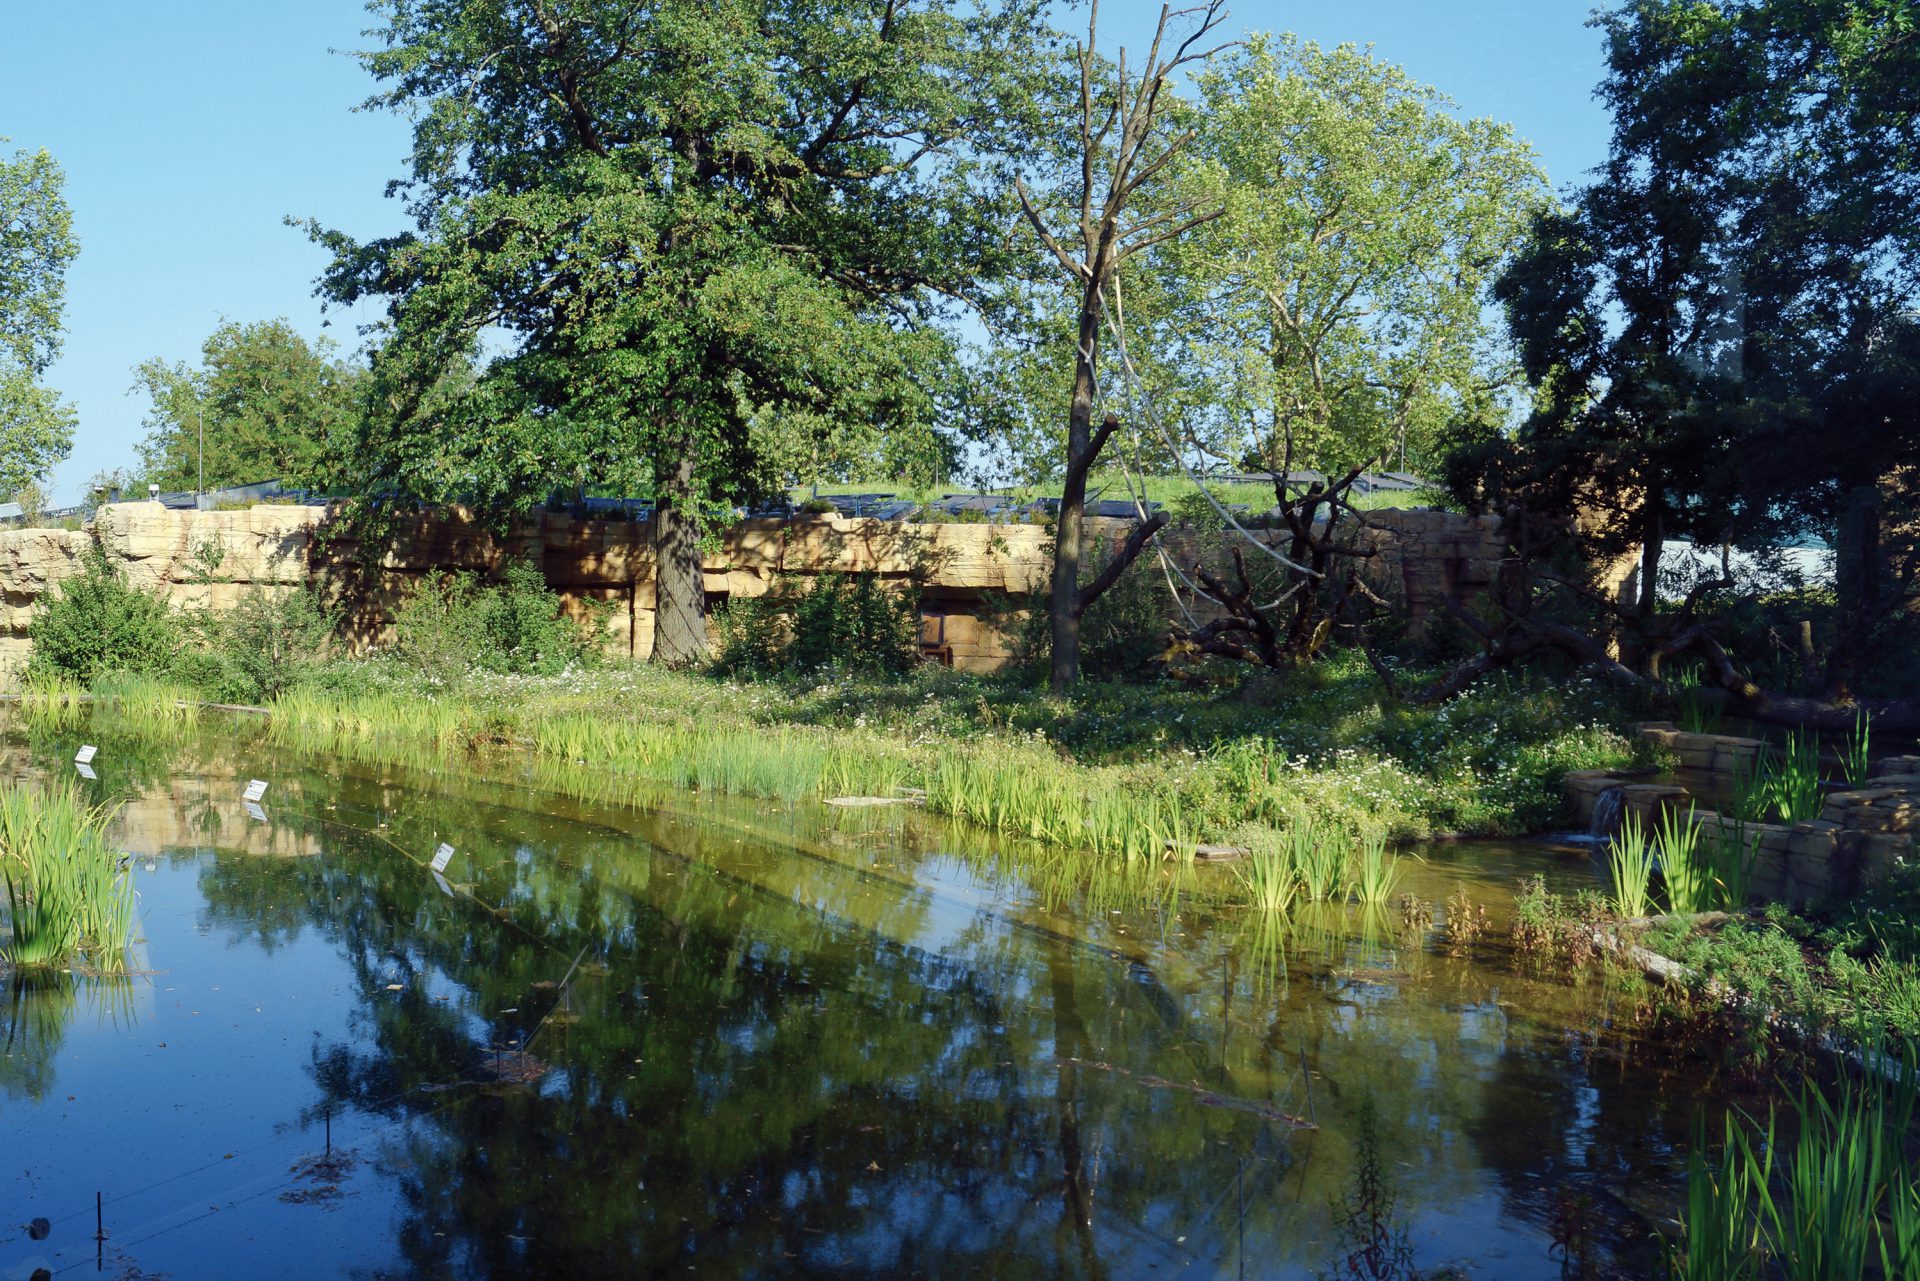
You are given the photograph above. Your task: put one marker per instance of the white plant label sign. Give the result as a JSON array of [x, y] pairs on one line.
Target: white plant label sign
[[254, 812], [441, 881], [85, 755], [255, 790], [441, 857], [85, 770]]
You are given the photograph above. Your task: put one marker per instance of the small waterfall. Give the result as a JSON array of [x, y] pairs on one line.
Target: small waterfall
[[1606, 812]]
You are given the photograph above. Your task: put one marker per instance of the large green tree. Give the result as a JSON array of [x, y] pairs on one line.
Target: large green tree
[[1721, 329], [1337, 313], [263, 404], [36, 245], [667, 226]]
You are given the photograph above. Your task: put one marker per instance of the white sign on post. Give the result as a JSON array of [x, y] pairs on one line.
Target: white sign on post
[[86, 771], [441, 857], [254, 812], [85, 755], [255, 790]]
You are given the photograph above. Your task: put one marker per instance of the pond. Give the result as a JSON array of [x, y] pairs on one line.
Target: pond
[[724, 1038]]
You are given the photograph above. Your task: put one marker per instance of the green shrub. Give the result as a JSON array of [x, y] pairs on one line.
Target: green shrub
[[98, 623], [455, 625], [1122, 634], [846, 622], [1126, 630], [267, 643]]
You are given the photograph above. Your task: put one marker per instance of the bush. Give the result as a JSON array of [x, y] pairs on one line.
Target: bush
[[455, 624], [98, 623], [849, 622], [267, 643], [1123, 634]]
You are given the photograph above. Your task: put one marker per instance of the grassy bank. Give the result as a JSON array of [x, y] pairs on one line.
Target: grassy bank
[[1114, 768], [1834, 966]]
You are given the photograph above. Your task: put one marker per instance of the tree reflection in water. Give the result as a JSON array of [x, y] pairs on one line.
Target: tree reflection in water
[[790, 1046]]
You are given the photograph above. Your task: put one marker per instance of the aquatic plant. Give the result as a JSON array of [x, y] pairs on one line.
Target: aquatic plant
[[1373, 1238], [1751, 800], [1856, 754], [67, 891], [1732, 854], [1699, 712], [1375, 872], [142, 703], [1630, 859], [1317, 860], [1839, 1201], [1795, 779], [1270, 878], [1686, 865], [1466, 921], [53, 701]]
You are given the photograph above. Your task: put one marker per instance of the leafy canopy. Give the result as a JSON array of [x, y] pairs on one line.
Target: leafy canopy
[[716, 232], [1339, 306], [272, 406], [36, 245]]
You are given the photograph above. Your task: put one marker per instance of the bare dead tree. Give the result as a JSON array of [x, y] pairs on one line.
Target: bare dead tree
[[1122, 146], [1320, 587]]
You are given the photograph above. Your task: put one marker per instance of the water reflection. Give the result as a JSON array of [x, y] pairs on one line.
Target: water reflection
[[742, 1040]]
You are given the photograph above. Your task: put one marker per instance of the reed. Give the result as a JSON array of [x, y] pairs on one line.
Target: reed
[[1795, 781], [1686, 864], [68, 895], [1630, 858], [1271, 880], [1842, 1199], [1733, 853], [1856, 754], [1318, 861], [1374, 872], [145, 703]]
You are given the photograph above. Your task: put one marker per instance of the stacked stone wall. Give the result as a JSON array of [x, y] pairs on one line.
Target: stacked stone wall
[[604, 569], [1858, 837]]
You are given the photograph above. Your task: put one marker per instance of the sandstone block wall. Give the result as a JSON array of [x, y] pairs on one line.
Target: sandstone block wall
[[1859, 835], [605, 568]]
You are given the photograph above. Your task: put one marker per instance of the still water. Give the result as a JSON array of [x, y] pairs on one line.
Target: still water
[[735, 1039]]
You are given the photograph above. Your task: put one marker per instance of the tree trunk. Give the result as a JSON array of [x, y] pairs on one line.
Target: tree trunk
[[1859, 577], [1653, 539], [1063, 605], [680, 594]]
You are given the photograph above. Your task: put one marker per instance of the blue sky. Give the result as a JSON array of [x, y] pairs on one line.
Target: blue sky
[[190, 131]]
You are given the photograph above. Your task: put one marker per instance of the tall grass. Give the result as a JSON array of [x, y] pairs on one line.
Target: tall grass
[[67, 894], [1630, 858], [1733, 853], [1856, 754], [1796, 788], [1840, 1200], [1374, 872], [1686, 865]]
